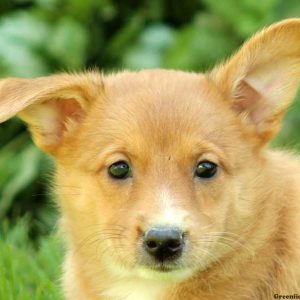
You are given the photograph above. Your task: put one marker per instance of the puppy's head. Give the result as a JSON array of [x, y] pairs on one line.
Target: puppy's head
[[159, 172]]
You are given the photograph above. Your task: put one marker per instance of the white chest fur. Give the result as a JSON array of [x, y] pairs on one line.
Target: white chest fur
[[137, 289]]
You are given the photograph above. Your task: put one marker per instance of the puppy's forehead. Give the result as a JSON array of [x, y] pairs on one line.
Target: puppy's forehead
[[158, 88], [126, 82], [161, 108]]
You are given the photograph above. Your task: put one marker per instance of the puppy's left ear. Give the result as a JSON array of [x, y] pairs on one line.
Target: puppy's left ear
[[53, 106], [261, 79]]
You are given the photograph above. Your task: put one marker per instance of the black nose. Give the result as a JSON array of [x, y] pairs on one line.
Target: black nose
[[164, 243]]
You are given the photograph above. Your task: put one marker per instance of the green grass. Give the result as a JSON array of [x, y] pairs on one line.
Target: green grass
[[29, 272]]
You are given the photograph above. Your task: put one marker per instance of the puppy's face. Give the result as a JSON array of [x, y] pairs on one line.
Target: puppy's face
[[159, 173], [152, 180]]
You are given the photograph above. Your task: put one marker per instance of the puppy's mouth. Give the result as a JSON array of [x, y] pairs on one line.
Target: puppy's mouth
[[163, 267], [170, 270], [164, 271]]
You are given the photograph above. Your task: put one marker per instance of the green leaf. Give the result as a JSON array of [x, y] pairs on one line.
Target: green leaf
[[25, 170], [244, 16], [152, 44], [22, 36], [200, 44], [68, 43]]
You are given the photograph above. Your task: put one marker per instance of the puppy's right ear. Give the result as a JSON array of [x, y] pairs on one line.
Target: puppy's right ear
[[52, 106], [261, 80]]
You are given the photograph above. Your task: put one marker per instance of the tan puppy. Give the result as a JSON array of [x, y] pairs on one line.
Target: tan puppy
[[168, 190]]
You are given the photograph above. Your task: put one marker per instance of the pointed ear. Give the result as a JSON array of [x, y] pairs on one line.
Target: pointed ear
[[52, 106], [261, 79]]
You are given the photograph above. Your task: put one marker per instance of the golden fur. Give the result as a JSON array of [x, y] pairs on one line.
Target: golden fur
[[243, 225]]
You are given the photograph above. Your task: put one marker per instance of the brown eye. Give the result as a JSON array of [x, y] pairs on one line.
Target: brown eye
[[206, 170], [120, 170]]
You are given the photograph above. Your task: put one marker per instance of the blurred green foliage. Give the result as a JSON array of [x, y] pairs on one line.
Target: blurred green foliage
[[28, 273], [39, 37]]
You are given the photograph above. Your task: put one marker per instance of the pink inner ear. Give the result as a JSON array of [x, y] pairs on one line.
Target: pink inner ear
[[50, 120], [245, 97], [264, 89], [255, 101], [69, 109], [54, 118]]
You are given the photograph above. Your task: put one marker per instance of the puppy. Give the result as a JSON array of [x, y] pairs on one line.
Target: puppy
[[168, 189]]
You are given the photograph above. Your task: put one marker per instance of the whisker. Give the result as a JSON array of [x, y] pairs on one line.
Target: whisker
[[228, 238]]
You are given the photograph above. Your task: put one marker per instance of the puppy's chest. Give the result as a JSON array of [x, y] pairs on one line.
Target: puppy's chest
[[136, 291]]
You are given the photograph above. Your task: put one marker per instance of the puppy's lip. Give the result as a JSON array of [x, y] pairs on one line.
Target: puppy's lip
[[165, 273], [162, 267]]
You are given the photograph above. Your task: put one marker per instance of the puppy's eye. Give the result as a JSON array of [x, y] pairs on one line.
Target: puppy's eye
[[206, 169], [119, 170]]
